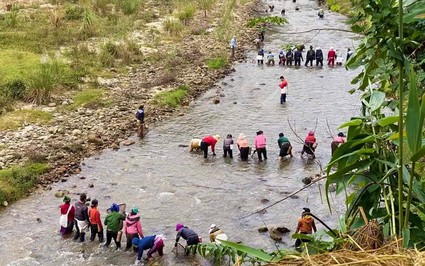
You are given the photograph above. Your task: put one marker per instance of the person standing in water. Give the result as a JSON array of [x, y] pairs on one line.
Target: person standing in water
[[187, 234], [311, 55], [96, 227], [331, 56], [319, 56], [283, 89], [132, 227], [209, 141], [113, 222], [298, 56], [305, 226], [228, 146], [243, 147], [233, 45], [66, 220], [260, 145], [81, 218], [285, 147]]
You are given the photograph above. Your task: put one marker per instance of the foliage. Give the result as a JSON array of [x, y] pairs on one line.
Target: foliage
[[206, 5], [14, 120], [385, 142], [90, 23], [11, 18], [89, 98], [74, 12], [275, 20], [217, 62], [15, 182], [187, 13], [130, 7], [172, 26], [171, 98]]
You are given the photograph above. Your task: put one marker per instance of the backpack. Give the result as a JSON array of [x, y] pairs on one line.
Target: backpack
[[63, 220]]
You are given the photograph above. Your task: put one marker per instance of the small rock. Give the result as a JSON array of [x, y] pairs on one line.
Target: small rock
[[265, 201], [232, 79], [181, 114], [128, 142], [76, 132], [52, 104], [262, 84], [39, 220], [263, 229], [5, 204], [64, 179], [216, 100], [82, 177], [91, 184], [307, 180], [65, 103], [59, 194], [235, 102], [222, 95], [332, 188], [115, 146], [224, 83]]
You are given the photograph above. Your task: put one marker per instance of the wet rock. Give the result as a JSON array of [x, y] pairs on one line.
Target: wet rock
[[91, 185], [263, 229], [82, 177], [52, 104], [76, 132], [181, 114], [128, 142], [39, 220], [59, 194], [235, 102], [216, 100], [115, 146], [232, 79], [262, 84], [4, 203], [64, 179], [307, 180], [224, 83], [332, 188], [265, 201], [222, 95], [276, 233]]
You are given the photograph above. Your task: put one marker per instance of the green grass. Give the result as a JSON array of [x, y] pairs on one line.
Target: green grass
[[217, 63], [14, 120], [171, 98], [17, 65], [16, 181], [89, 98]]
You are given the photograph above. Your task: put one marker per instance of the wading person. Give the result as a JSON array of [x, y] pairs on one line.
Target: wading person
[[321, 13], [289, 57], [298, 56], [282, 58], [113, 223], [233, 46], [154, 243], [228, 146], [66, 220], [96, 227], [310, 145], [132, 227], [81, 218], [285, 147], [270, 59], [187, 234], [331, 57], [260, 145], [209, 141], [349, 53], [140, 116], [305, 225], [243, 147], [260, 57], [340, 139], [319, 56], [283, 89], [216, 234], [311, 55]]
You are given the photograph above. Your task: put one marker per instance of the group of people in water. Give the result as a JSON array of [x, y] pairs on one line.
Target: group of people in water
[[260, 145], [118, 223], [295, 56]]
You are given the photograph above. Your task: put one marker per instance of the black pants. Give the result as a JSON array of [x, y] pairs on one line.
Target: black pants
[[244, 153], [204, 147], [94, 232], [229, 151], [130, 239], [260, 62], [299, 241], [192, 240], [112, 235], [289, 61], [78, 233], [260, 152], [319, 61], [282, 97], [297, 62], [309, 60]]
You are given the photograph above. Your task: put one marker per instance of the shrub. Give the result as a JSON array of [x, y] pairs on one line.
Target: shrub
[[14, 90], [101, 6], [11, 18], [89, 98], [89, 26], [217, 63], [15, 182], [171, 98], [130, 7], [6, 105], [106, 59], [74, 12], [172, 26], [186, 13]]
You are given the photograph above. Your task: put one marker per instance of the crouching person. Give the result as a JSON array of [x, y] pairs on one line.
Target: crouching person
[[154, 243], [187, 234]]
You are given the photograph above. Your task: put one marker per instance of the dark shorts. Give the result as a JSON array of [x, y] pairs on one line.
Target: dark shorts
[[284, 149]]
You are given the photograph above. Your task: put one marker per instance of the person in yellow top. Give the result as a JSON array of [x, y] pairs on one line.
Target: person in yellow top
[[305, 225], [216, 234]]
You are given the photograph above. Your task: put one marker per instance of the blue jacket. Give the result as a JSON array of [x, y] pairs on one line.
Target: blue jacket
[[145, 243]]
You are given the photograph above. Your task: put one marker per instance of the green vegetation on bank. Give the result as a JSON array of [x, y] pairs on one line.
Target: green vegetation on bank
[[217, 62], [171, 98], [15, 119], [16, 182], [89, 98]]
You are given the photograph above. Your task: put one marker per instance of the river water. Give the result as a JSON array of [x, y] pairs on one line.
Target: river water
[[171, 185]]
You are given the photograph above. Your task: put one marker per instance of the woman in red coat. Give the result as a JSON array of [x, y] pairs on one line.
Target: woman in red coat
[[67, 216]]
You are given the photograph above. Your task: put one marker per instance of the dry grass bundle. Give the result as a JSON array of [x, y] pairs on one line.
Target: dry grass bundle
[[366, 237], [389, 255]]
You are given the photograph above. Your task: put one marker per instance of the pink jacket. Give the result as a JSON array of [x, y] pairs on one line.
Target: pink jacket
[[260, 141], [132, 225]]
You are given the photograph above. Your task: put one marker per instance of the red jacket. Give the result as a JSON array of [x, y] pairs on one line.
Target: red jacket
[[210, 141], [310, 139], [94, 215], [331, 54], [64, 210]]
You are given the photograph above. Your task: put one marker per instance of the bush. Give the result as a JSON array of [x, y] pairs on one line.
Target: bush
[[217, 63], [74, 12], [172, 26], [101, 6], [6, 105], [171, 98], [11, 18], [14, 90], [130, 7], [89, 98], [15, 182], [90, 20], [187, 13]]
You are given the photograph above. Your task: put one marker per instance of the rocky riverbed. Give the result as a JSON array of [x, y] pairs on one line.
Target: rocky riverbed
[[73, 135]]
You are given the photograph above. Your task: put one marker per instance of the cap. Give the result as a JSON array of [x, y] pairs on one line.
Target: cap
[[306, 209], [311, 133], [66, 198], [135, 210], [213, 226], [179, 226]]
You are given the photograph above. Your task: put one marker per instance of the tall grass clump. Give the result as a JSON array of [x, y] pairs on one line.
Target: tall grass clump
[[90, 23], [171, 98], [16, 182], [217, 62], [101, 6], [11, 18], [172, 26], [187, 13], [130, 7]]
